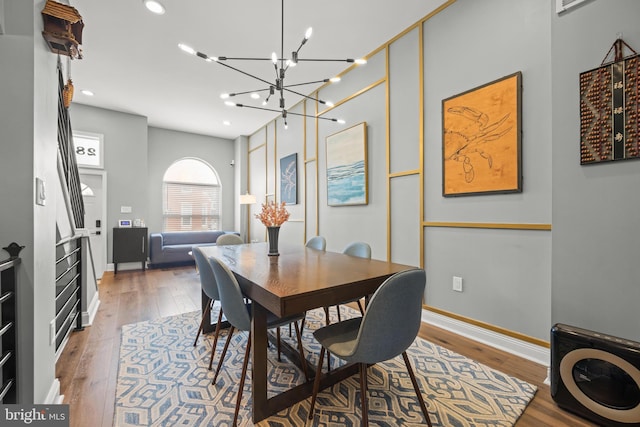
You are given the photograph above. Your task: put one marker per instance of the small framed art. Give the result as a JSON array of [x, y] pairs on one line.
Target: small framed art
[[289, 179]]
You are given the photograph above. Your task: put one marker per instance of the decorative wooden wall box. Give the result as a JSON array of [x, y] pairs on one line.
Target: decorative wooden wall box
[[62, 29], [609, 104]]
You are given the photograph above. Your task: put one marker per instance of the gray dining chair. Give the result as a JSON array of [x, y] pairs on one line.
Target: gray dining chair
[[210, 289], [389, 326], [229, 239], [317, 242], [360, 250], [238, 313]]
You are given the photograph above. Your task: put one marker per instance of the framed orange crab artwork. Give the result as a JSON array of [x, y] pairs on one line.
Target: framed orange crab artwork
[[482, 139]]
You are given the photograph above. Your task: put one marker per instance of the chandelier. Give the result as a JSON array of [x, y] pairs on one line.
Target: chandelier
[[278, 85]]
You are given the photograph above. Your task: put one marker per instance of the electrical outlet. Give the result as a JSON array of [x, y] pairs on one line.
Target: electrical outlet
[[457, 283]]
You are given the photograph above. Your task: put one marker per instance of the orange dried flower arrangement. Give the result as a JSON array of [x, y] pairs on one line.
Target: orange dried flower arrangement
[[273, 214]]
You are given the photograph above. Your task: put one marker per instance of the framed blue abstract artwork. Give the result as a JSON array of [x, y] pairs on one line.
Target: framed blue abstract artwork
[[347, 167], [289, 179]]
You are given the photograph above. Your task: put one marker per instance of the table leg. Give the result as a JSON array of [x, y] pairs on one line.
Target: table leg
[[259, 363], [264, 407]]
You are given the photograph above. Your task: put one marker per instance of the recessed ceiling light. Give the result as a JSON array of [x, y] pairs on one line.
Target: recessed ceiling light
[[87, 92], [255, 96], [226, 123], [154, 6]]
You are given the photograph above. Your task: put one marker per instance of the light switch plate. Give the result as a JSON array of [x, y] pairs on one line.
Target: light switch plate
[[125, 209], [41, 195], [52, 332]]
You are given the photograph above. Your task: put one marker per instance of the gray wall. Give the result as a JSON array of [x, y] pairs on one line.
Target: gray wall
[[585, 271], [28, 119], [136, 157], [125, 160], [506, 273], [596, 236], [166, 147]]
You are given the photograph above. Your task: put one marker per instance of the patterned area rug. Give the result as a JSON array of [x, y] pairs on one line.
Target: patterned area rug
[[163, 380]]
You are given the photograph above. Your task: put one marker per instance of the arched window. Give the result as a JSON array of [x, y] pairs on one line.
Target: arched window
[[191, 196]]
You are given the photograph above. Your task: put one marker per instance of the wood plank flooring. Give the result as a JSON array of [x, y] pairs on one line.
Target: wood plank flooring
[[88, 366]]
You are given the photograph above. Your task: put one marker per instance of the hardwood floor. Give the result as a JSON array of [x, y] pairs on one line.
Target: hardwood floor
[[88, 367]]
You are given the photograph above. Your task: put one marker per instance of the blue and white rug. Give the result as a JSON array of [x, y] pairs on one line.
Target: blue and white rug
[[163, 380]]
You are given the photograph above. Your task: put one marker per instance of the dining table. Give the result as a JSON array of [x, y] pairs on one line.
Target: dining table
[[299, 279]]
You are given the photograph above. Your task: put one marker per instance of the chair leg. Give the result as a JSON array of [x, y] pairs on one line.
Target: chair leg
[[206, 310], [301, 350], [224, 353], [316, 383], [302, 325], [363, 394], [328, 321], [247, 353], [360, 307], [416, 388], [338, 310], [278, 342], [216, 334]]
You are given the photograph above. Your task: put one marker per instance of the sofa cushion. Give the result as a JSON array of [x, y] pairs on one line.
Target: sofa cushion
[[190, 237]]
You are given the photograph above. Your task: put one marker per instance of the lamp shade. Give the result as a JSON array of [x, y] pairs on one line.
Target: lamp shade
[[247, 199]]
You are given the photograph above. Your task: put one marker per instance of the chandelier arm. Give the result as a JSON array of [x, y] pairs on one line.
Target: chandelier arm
[[287, 112], [241, 58], [312, 116], [257, 108], [227, 58], [308, 83], [306, 96], [248, 91], [245, 73], [325, 60]]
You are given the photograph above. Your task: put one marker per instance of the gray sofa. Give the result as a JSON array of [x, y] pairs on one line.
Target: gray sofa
[[172, 247]]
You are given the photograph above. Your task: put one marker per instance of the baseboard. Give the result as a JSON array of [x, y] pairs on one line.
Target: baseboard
[[54, 397], [503, 342], [90, 314]]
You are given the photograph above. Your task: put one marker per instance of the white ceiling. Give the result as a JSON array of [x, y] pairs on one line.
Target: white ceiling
[[132, 62]]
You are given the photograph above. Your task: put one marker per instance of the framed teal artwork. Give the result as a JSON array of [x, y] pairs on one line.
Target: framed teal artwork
[[347, 167]]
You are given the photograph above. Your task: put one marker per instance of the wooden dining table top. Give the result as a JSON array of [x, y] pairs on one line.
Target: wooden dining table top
[[301, 278]]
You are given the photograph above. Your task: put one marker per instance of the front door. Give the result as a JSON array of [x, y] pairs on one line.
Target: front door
[[94, 195]]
